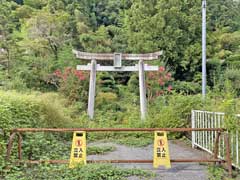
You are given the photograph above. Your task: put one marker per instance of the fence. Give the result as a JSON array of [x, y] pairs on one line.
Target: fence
[[205, 140], [215, 159]]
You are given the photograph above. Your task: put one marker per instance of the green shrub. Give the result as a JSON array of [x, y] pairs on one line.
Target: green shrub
[[173, 111], [33, 73], [216, 173], [214, 72], [233, 75], [187, 88], [18, 110], [106, 83], [233, 61], [108, 108], [133, 84], [103, 98], [16, 83], [31, 110]]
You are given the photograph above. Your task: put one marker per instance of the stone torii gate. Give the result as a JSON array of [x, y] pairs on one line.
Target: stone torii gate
[[117, 58]]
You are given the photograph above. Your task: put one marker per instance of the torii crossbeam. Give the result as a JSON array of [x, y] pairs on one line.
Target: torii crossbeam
[[117, 58]]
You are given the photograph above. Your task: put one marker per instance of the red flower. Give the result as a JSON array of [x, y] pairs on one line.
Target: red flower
[[161, 69], [58, 73], [65, 76], [69, 72], [161, 82], [79, 75], [151, 75], [82, 78], [168, 76], [169, 88]]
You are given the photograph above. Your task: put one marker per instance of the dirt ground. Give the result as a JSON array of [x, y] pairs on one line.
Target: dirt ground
[[178, 150]]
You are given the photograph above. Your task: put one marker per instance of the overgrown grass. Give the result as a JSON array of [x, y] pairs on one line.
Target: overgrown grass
[[136, 142], [135, 139], [218, 173], [34, 110], [88, 172], [93, 150]]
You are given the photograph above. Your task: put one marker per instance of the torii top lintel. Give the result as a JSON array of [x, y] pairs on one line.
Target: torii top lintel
[[110, 56]]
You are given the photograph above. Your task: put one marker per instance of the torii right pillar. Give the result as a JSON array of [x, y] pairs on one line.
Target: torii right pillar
[[142, 90]]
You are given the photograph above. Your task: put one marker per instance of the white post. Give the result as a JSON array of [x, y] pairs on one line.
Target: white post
[[193, 126], [142, 89], [92, 89], [204, 39]]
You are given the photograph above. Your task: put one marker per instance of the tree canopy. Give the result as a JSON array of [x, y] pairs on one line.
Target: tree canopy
[[35, 29]]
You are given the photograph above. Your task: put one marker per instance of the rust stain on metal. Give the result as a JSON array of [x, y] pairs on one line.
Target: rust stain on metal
[[216, 145], [115, 129], [9, 146], [19, 146], [110, 56], [120, 161], [228, 154]]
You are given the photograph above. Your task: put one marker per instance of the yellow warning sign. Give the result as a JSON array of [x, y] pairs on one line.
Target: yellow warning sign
[[78, 152], [161, 152]]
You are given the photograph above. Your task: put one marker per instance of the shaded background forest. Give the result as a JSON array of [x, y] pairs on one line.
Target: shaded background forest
[[37, 38]]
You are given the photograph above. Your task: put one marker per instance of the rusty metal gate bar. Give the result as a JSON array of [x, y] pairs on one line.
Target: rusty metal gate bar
[[114, 129], [215, 159]]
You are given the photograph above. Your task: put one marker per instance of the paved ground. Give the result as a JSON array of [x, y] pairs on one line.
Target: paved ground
[[179, 171]]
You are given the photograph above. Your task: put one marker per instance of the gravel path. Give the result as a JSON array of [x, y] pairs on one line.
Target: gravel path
[[179, 171]]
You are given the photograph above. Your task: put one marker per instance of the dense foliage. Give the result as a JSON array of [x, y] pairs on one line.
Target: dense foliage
[[37, 37]]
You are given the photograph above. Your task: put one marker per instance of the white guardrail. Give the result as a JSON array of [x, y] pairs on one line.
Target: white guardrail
[[205, 139]]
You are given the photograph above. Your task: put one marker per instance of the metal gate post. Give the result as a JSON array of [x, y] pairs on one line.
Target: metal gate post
[[228, 154], [216, 145], [19, 146], [9, 146]]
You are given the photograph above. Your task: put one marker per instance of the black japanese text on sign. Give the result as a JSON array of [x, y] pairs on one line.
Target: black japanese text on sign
[[161, 150], [78, 152]]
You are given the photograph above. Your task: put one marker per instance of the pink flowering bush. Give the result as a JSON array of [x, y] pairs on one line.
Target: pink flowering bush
[[159, 83], [72, 83]]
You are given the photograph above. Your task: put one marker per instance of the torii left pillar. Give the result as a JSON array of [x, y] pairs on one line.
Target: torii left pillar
[[142, 90], [92, 89]]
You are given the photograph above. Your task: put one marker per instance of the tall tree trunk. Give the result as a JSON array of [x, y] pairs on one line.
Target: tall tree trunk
[[54, 49]]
